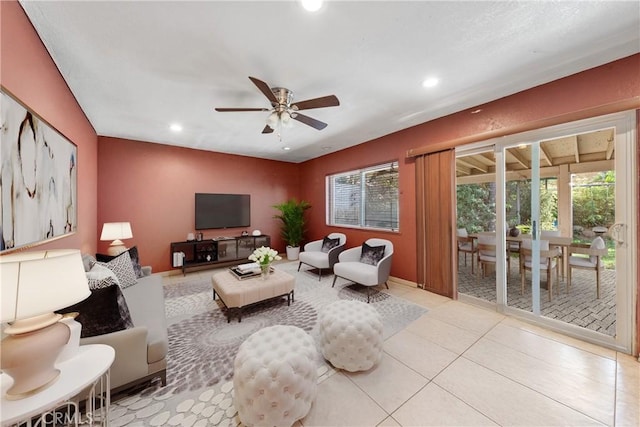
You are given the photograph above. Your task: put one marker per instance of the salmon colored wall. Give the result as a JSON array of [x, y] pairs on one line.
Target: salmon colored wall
[[152, 186], [616, 81], [138, 182], [29, 74]]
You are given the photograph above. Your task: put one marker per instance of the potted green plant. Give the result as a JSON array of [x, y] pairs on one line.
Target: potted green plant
[[293, 224]]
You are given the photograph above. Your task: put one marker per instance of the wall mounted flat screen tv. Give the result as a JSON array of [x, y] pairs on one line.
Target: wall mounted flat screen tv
[[222, 210]]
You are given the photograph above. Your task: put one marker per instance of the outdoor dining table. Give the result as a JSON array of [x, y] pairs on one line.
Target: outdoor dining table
[[560, 241]]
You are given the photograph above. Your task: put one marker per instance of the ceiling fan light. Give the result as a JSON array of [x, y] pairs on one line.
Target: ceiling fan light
[[285, 119], [272, 120]]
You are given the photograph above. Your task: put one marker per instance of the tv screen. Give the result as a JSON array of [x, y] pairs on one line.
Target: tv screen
[[222, 210]]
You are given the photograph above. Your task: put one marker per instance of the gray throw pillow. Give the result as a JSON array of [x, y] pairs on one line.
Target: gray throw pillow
[[88, 261]]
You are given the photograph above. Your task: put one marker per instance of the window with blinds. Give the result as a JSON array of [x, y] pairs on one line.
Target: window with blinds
[[365, 198]]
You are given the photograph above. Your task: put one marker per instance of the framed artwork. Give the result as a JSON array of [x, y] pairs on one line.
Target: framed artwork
[[38, 179]]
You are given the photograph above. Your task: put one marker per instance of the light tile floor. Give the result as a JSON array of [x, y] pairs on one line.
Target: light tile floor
[[461, 365]]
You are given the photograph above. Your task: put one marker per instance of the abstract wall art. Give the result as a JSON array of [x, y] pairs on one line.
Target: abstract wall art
[[38, 179]]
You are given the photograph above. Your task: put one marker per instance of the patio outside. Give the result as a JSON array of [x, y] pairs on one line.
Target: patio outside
[[578, 307], [582, 213]]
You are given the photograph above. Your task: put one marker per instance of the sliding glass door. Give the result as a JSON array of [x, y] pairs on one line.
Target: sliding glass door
[[561, 217]]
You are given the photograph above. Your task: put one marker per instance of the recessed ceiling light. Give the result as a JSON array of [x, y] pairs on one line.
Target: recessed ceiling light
[[286, 148], [176, 127], [311, 5], [430, 82]]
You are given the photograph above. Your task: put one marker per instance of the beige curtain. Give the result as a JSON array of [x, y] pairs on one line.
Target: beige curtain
[[435, 204]]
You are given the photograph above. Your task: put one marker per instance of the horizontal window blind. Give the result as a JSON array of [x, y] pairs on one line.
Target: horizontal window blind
[[366, 198]]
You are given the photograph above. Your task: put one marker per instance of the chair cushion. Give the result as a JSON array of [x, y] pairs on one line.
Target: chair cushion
[[581, 261], [371, 254], [314, 259], [465, 247], [146, 303], [328, 243], [357, 272], [544, 263]]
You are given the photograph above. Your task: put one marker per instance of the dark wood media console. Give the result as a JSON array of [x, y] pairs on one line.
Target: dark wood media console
[[214, 252]]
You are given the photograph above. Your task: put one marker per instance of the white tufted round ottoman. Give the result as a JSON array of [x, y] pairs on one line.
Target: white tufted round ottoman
[[351, 335], [275, 376]]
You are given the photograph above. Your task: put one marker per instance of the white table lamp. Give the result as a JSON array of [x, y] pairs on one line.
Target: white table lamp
[[116, 231], [33, 286]]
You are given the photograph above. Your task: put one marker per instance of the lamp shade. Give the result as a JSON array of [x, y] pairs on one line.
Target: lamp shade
[[36, 283], [116, 231]]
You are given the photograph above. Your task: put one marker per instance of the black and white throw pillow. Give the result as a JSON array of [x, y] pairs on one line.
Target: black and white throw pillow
[[103, 312], [328, 244], [371, 254], [121, 266], [133, 255]]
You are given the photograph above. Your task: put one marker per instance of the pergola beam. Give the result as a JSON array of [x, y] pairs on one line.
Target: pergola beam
[[519, 157], [545, 156], [610, 146], [576, 150], [473, 164]]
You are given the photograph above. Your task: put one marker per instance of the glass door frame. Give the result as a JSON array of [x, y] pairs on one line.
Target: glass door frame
[[626, 191]]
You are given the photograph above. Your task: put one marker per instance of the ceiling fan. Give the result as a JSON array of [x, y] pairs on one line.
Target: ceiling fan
[[283, 110]]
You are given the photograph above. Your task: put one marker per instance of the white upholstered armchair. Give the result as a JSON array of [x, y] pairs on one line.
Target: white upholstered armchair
[[361, 268], [322, 254]]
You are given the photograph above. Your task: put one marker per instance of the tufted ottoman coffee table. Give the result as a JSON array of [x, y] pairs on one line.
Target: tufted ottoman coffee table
[[236, 294], [275, 376], [351, 335]]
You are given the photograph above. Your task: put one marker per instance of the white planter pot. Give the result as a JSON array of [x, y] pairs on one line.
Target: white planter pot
[[293, 252]]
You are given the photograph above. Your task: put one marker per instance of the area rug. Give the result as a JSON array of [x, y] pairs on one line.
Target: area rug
[[202, 345]]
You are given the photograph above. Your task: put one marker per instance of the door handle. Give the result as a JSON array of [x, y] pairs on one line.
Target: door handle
[[617, 233]]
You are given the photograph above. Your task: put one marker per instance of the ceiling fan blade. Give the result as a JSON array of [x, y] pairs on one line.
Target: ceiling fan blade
[[267, 129], [325, 101], [309, 121], [227, 110], [265, 89]]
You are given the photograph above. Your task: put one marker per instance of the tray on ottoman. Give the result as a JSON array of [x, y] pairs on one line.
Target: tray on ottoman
[[238, 294], [247, 274]]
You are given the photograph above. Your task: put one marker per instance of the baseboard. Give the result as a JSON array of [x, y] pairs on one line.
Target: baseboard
[[403, 282]]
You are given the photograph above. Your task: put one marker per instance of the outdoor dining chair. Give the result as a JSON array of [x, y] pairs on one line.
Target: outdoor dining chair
[[466, 245], [486, 251], [548, 262], [593, 261]]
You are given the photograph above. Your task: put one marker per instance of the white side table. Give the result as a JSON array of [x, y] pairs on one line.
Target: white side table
[[88, 369]]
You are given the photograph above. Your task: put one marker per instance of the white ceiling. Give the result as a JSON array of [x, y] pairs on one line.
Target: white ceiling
[[135, 67]]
